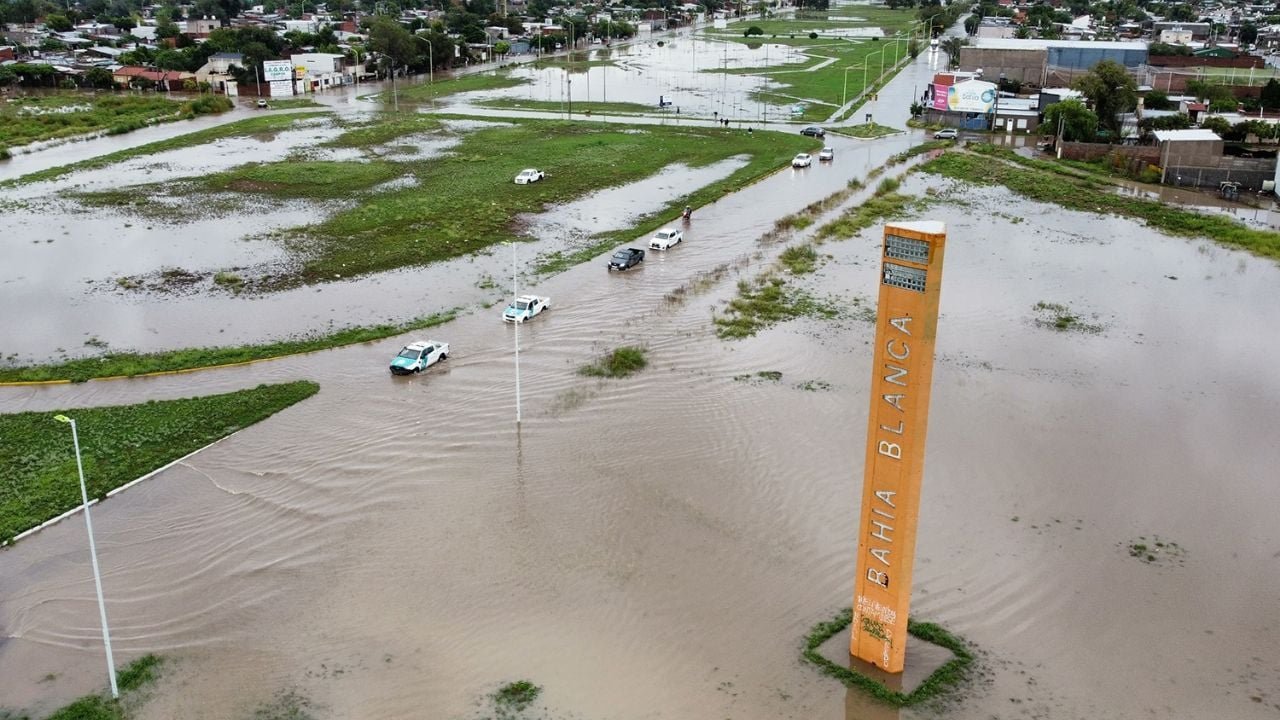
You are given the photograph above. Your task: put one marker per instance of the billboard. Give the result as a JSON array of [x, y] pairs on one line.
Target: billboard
[[281, 88], [974, 96], [906, 327], [276, 70], [938, 96]]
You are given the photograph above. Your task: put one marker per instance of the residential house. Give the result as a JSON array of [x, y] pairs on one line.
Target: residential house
[[320, 71], [132, 75], [217, 70]]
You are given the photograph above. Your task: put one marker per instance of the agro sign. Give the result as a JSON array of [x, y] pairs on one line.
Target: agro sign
[[907, 321], [974, 96], [276, 70]]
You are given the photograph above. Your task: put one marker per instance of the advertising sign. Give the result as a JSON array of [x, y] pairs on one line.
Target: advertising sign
[[281, 88], [275, 70], [906, 326], [973, 96], [938, 96]]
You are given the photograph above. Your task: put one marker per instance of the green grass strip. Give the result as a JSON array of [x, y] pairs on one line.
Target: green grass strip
[[118, 444], [951, 674], [261, 124], [579, 108], [422, 92], [1090, 195], [133, 364]]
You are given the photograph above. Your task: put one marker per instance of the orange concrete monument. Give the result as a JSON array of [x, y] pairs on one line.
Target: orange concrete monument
[[906, 325]]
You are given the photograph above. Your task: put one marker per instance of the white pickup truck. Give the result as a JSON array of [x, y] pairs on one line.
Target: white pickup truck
[[525, 308], [664, 239]]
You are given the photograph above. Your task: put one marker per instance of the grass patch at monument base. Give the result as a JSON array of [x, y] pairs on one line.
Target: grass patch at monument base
[[936, 662]]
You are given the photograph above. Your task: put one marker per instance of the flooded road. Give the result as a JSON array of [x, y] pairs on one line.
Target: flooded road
[[658, 546]]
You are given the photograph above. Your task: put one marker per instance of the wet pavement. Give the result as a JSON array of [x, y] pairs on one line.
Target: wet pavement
[[658, 546]]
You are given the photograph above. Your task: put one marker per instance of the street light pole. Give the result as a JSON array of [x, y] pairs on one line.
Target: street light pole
[[431, 72], [93, 555], [866, 65], [515, 294]]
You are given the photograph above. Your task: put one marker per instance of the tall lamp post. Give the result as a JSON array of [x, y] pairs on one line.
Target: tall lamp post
[[93, 555], [844, 94], [431, 72], [515, 294], [866, 64]]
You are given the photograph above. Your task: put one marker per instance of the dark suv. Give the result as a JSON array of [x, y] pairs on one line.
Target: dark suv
[[626, 259], [814, 131]]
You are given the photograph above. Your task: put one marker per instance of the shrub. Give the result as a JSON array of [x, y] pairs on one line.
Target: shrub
[[753, 30], [623, 361], [813, 36]]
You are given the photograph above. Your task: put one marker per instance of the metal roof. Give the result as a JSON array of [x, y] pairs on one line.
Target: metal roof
[[1198, 134]]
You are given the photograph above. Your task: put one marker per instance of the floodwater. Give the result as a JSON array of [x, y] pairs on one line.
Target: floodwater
[[59, 281], [656, 547]]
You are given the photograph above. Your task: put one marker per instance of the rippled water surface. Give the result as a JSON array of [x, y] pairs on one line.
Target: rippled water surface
[[658, 546]]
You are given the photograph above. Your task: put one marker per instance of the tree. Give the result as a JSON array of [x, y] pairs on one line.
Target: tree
[[1248, 34], [971, 24], [1111, 91], [58, 23], [389, 39], [1078, 123], [951, 46], [1217, 124], [502, 47], [1270, 97], [1158, 100], [98, 77]]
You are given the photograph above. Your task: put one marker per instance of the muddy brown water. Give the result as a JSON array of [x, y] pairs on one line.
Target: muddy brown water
[[658, 546]]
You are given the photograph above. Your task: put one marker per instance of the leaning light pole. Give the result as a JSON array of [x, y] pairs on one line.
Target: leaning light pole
[[93, 555]]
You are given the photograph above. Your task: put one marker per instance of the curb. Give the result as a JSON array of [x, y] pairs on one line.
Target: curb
[[158, 373], [122, 488]]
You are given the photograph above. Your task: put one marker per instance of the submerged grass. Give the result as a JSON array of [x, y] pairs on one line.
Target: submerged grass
[[384, 128], [260, 124], [133, 364], [118, 444], [424, 91], [1090, 195], [853, 221], [949, 676], [764, 302], [800, 259], [607, 108], [49, 117], [313, 179], [516, 695], [618, 363]]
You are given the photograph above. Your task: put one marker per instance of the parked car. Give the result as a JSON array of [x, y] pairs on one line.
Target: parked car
[[626, 259], [946, 134], [418, 356], [262, 103], [529, 175], [525, 307], [814, 131], [664, 239], [802, 160], [827, 154]]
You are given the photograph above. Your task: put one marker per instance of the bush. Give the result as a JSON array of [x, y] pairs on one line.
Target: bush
[[813, 36], [621, 362], [753, 30]]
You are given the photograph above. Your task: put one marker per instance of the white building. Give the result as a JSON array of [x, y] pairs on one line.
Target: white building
[[320, 70]]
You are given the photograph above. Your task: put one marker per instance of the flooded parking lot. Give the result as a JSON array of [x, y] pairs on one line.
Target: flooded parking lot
[[658, 546]]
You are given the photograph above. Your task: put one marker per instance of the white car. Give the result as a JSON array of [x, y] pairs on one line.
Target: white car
[[418, 356], [664, 239], [946, 134], [529, 175], [802, 160], [827, 154], [525, 307]]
